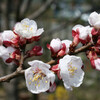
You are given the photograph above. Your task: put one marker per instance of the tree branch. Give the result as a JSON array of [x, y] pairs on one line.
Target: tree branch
[[41, 10], [17, 73]]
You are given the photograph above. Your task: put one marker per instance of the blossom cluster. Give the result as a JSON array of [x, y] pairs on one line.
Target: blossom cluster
[[40, 76], [13, 42]]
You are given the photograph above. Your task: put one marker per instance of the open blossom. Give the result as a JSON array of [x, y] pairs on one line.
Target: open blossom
[[27, 29], [9, 38], [71, 71], [59, 47], [83, 33], [38, 77], [9, 54], [94, 20]]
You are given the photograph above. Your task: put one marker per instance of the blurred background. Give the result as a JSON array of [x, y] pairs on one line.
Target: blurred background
[[57, 17]]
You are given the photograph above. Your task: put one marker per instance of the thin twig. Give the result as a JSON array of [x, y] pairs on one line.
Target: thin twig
[[15, 74], [20, 63]]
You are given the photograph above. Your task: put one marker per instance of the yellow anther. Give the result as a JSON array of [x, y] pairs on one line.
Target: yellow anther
[[33, 72], [31, 29], [39, 85], [26, 26], [46, 81], [29, 83], [72, 70], [33, 80], [35, 84]]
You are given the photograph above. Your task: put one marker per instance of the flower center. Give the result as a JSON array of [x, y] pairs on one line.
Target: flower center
[[37, 76], [72, 69]]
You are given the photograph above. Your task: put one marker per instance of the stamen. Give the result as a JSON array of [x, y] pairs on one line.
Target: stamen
[[29, 83], [72, 69], [46, 81]]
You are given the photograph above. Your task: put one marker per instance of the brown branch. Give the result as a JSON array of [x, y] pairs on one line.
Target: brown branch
[[41, 10], [17, 73], [21, 62]]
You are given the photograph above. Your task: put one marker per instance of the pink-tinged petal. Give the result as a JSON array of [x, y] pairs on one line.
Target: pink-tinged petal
[[92, 63], [35, 38], [56, 45], [10, 37], [63, 50], [76, 40], [55, 68], [52, 88], [67, 45], [94, 31], [97, 64]]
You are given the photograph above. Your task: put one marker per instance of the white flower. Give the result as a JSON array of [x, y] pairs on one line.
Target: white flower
[[5, 53], [67, 43], [83, 32], [38, 77], [27, 29], [71, 72], [56, 44], [94, 19], [9, 36], [97, 63]]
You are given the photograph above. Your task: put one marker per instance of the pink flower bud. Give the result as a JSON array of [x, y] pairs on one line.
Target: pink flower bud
[[94, 31], [81, 34], [94, 20], [36, 51], [76, 40], [56, 45], [95, 63]]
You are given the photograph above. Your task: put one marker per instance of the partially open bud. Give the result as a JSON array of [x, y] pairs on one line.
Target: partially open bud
[[36, 51]]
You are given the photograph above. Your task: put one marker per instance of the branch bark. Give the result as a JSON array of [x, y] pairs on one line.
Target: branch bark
[[15, 74]]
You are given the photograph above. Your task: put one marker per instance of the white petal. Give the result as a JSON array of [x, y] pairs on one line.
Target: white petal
[[97, 63], [39, 32], [76, 27], [56, 44], [97, 24], [67, 43], [93, 18]]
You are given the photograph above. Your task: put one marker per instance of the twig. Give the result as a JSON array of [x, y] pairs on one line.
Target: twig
[[7, 78], [15, 74], [83, 48], [20, 63]]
